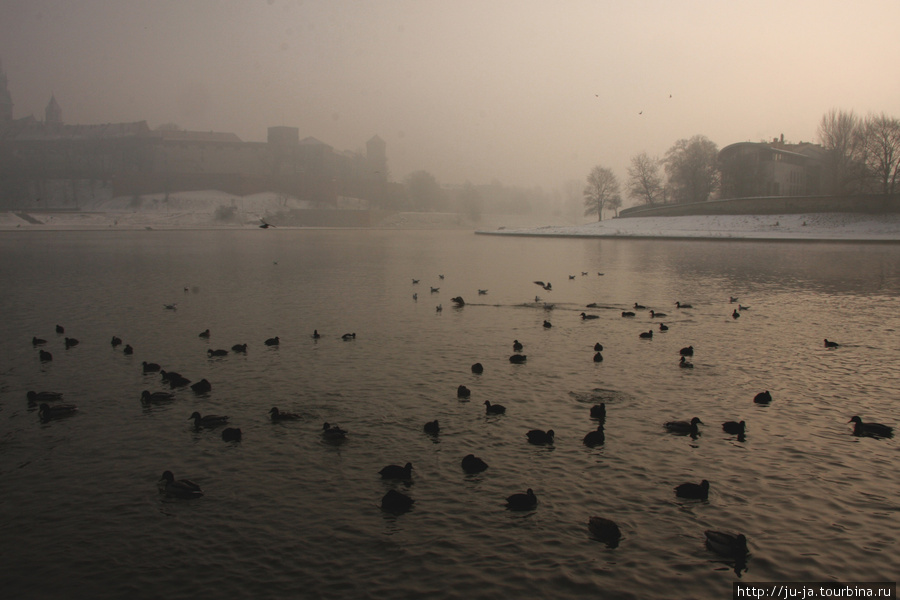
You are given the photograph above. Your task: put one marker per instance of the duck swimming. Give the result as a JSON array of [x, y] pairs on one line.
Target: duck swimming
[[526, 501], [396, 502], [829, 344], [585, 316], [151, 398], [348, 336], [471, 464], [693, 491], [539, 437], [646, 335], [71, 343], [150, 367], [333, 433], [36, 341], [432, 427], [463, 392], [605, 530], [733, 427], [684, 364], [598, 347], [178, 488], [627, 313], [598, 411], [684, 427], [663, 327], [273, 341], [211, 353], [687, 351], [595, 438], [493, 409], [682, 305], [729, 545], [202, 387], [239, 348], [763, 397], [209, 421], [478, 368], [38, 397], [396, 472], [116, 341], [656, 315], [232, 434], [598, 357], [517, 346], [518, 358], [47, 412], [870, 429], [277, 415], [204, 334]]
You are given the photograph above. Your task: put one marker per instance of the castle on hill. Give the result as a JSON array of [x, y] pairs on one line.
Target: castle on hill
[[40, 157]]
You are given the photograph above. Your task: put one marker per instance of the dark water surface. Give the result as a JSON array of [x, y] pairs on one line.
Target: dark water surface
[[286, 514]]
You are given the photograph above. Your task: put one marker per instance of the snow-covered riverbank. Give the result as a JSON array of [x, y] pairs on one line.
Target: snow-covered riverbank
[[810, 227]]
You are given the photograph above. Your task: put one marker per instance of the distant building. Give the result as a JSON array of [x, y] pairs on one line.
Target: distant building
[[133, 160], [757, 169]]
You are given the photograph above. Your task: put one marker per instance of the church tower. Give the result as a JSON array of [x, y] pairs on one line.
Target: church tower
[[53, 113], [6, 104]]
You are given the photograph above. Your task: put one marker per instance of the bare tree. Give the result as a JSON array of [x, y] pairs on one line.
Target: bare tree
[[644, 180], [841, 133], [602, 190], [692, 168], [882, 152]]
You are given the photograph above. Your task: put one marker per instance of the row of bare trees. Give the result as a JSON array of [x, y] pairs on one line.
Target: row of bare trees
[[863, 156], [864, 153]]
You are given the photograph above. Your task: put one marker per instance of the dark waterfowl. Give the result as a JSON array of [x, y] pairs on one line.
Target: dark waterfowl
[[684, 364], [178, 488], [598, 357], [732, 299], [348, 336], [646, 335], [598, 411], [870, 429], [432, 427], [725, 544], [733, 427], [663, 327], [115, 341], [657, 315], [47, 412], [435, 290], [682, 305], [830, 344], [585, 316], [204, 334], [687, 351], [396, 472], [639, 306], [763, 397], [539, 437], [478, 368], [439, 308], [333, 433], [595, 438], [232, 434], [148, 397], [482, 292], [627, 313], [239, 348], [526, 501], [693, 491], [458, 301], [172, 306], [415, 281], [463, 392], [277, 415], [149, 367], [396, 502], [517, 346], [518, 358], [493, 409], [471, 464], [209, 421], [36, 341], [38, 397], [174, 379], [128, 349], [605, 530], [60, 329], [684, 427], [547, 324], [202, 387], [273, 341], [598, 347], [735, 314], [71, 343], [220, 352]]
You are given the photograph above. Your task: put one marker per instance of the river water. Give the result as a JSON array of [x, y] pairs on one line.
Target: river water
[[287, 514]]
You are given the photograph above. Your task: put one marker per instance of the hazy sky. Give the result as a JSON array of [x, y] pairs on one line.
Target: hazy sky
[[526, 92]]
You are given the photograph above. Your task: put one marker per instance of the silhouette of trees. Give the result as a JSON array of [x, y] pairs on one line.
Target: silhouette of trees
[[645, 184], [881, 147], [840, 132], [692, 169], [602, 190]]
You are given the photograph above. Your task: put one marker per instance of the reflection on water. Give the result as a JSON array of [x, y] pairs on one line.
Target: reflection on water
[[287, 513]]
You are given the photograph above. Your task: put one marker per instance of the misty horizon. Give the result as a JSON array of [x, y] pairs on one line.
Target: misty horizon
[[525, 94]]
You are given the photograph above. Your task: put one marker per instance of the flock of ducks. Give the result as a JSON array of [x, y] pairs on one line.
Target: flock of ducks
[[730, 545]]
